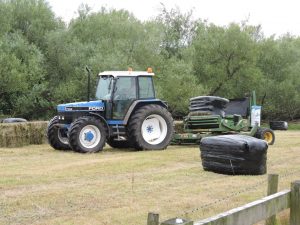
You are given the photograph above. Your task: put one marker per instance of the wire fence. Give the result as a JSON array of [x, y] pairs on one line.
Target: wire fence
[[234, 194]]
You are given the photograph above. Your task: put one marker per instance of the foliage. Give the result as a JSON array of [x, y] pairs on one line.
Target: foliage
[[178, 30], [22, 76], [225, 59], [177, 85], [42, 60], [280, 86]]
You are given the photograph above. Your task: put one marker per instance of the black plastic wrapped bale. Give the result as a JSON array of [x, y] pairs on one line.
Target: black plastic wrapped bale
[[278, 125], [213, 104], [234, 154]]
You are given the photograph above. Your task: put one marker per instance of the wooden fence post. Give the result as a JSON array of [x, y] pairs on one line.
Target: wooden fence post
[[272, 189], [153, 218], [295, 203]]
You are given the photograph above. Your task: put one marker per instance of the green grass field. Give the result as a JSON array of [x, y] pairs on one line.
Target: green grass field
[[294, 125], [39, 185]]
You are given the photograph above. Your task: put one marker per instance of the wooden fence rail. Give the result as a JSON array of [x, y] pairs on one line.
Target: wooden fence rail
[[251, 213]]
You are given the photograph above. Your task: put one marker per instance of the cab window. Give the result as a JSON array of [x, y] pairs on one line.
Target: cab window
[[124, 95], [146, 87]]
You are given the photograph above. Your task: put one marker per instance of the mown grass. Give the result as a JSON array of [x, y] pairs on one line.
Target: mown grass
[[39, 185], [294, 125]]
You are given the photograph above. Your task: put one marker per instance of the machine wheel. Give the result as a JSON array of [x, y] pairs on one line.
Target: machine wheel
[[118, 144], [151, 128], [87, 135], [266, 134], [57, 137]]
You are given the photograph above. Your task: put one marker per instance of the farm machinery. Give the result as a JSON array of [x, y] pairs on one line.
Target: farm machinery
[[125, 113], [212, 115]]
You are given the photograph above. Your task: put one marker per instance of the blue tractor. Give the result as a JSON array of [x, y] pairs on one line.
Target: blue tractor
[[124, 114]]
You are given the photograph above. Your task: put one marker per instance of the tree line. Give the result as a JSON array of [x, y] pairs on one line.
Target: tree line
[[42, 60]]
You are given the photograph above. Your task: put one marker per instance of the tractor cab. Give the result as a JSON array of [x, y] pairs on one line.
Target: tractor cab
[[119, 89]]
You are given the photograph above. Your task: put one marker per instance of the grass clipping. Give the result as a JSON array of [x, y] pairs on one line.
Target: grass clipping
[[22, 134]]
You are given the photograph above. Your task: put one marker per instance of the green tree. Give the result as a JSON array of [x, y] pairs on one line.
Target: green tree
[[178, 30], [22, 77], [177, 85], [225, 59], [280, 86], [34, 19]]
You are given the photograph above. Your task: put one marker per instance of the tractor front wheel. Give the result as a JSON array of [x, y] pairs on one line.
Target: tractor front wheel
[[57, 137], [87, 135], [266, 134], [151, 128]]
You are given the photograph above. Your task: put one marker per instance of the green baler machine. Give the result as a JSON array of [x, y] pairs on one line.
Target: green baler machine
[[212, 115]]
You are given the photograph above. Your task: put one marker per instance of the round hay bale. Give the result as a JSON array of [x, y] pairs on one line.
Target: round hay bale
[[234, 155]]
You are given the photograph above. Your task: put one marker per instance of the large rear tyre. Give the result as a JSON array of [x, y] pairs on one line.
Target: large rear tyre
[[151, 128], [87, 135], [265, 134], [57, 137], [118, 143]]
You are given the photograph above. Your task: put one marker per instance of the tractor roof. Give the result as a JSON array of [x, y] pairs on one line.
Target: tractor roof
[[126, 73]]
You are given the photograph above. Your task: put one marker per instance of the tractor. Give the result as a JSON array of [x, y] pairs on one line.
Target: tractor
[[124, 114], [213, 115]]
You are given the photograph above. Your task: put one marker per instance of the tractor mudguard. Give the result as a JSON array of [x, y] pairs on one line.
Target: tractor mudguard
[[139, 103], [103, 120]]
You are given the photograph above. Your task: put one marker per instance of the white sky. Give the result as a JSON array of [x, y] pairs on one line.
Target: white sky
[[276, 17]]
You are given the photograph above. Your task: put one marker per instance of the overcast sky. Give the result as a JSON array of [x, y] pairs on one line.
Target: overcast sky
[[276, 16]]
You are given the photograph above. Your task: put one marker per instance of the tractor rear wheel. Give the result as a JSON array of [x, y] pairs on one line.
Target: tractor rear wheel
[[57, 137], [151, 128], [87, 135], [266, 134], [118, 143]]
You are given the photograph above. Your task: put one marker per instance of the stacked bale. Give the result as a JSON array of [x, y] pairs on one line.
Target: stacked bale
[[22, 134], [234, 155], [207, 105]]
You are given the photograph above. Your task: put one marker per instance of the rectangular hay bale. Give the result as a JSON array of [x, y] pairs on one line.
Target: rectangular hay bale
[[22, 134]]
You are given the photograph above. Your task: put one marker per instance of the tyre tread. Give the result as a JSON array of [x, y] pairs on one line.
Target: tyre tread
[[52, 136], [134, 127]]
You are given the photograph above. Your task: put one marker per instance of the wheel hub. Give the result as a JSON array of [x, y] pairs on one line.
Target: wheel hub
[[150, 129], [89, 136]]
